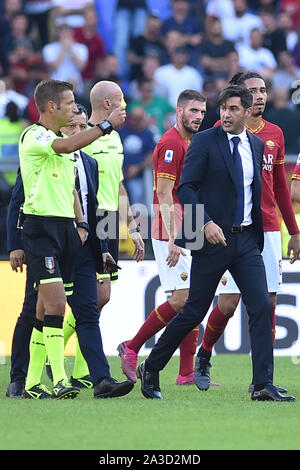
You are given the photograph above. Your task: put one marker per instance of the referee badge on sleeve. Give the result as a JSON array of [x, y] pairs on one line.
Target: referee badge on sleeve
[[49, 263]]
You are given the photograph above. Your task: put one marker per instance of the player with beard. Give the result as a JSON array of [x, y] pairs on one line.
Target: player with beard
[[168, 159], [274, 190]]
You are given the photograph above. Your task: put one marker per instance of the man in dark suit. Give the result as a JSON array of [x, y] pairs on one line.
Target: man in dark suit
[[83, 301], [222, 171]]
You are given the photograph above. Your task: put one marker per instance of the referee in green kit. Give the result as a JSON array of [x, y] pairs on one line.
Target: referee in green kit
[[50, 235]]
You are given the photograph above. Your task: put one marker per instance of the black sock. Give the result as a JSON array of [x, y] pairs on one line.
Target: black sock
[[53, 321], [203, 353], [38, 324]]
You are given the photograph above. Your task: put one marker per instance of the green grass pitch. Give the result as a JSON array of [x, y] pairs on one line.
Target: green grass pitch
[[223, 418]]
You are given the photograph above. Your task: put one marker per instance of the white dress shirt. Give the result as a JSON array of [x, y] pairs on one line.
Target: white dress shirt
[[83, 184], [248, 171]]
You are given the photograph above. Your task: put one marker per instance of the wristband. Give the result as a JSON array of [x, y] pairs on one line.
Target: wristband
[[105, 127], [83, 225]]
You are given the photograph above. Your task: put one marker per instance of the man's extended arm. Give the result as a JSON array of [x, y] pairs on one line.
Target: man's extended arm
[[295, 190], [283, 199], [82, 139], [126, 214], [79, 217], [166, 206], [14, 240]]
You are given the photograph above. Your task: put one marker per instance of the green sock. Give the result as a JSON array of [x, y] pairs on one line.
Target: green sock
[[54, 342], [80, 368], [69, 327], [37, 358]]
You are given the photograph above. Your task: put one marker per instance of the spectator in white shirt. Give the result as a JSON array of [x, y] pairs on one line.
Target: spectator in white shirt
[[286, 25], [255, 57], [66, 58], [221, 9], [238, 28], [177, 75], [70, 11]]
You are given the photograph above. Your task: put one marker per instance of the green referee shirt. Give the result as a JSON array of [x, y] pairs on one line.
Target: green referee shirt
[[108, 151], [48, 177]]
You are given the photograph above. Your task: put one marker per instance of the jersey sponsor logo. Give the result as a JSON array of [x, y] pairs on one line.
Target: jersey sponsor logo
[[49, 263], [268, 161], [169, 156]]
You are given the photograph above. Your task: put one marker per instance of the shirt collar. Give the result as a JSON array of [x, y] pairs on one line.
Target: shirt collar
[[242, 135]]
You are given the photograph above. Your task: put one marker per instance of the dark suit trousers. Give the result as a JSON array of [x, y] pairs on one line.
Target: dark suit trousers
[[243, 259], [83, 303], [22, 333]]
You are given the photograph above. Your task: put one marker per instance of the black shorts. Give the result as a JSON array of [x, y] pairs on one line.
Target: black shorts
[[113, 243], [51, 245]]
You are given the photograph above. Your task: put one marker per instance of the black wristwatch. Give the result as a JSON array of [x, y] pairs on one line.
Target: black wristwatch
[[83, 225], [105, 127]]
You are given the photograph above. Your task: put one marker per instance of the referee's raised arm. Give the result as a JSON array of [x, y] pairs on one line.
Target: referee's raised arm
[[82, 139]]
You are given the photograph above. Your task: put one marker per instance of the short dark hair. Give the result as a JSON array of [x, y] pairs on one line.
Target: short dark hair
[[12, 111], [81, 110], [188, 95], [238, 91], [240, 77], [50, 90]]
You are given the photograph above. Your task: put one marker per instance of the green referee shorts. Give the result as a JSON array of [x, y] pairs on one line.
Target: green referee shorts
[[51, 245]]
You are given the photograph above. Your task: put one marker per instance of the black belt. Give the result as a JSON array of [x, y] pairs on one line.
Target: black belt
[[49, 218], [239, 228]]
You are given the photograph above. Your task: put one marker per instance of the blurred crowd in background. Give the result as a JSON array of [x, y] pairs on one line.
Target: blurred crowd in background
[[153, 49]]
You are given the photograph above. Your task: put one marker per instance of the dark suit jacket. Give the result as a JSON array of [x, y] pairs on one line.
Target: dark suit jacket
[[14, 240], [208, 178]]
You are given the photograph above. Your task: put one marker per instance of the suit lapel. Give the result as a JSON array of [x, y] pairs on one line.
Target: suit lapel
[[224, 147], [88, 179], [87, 172]]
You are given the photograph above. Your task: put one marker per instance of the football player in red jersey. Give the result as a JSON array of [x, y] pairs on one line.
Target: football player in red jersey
[[168, 158], [295, 185], [274, 190]]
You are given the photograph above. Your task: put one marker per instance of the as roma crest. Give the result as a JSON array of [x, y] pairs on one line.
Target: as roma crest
[[184, 276]]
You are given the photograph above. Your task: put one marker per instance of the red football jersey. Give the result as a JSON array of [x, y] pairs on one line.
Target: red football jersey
[[168, 158], [274, 153], [296, 171]]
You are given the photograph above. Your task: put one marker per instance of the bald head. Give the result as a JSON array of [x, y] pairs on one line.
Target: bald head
[[105, 95]]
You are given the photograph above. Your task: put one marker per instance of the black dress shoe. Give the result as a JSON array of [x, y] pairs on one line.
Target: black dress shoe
[[149, 382], [110, 388], [269, 392], [202, 373], [278, 388], [15, 390]]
